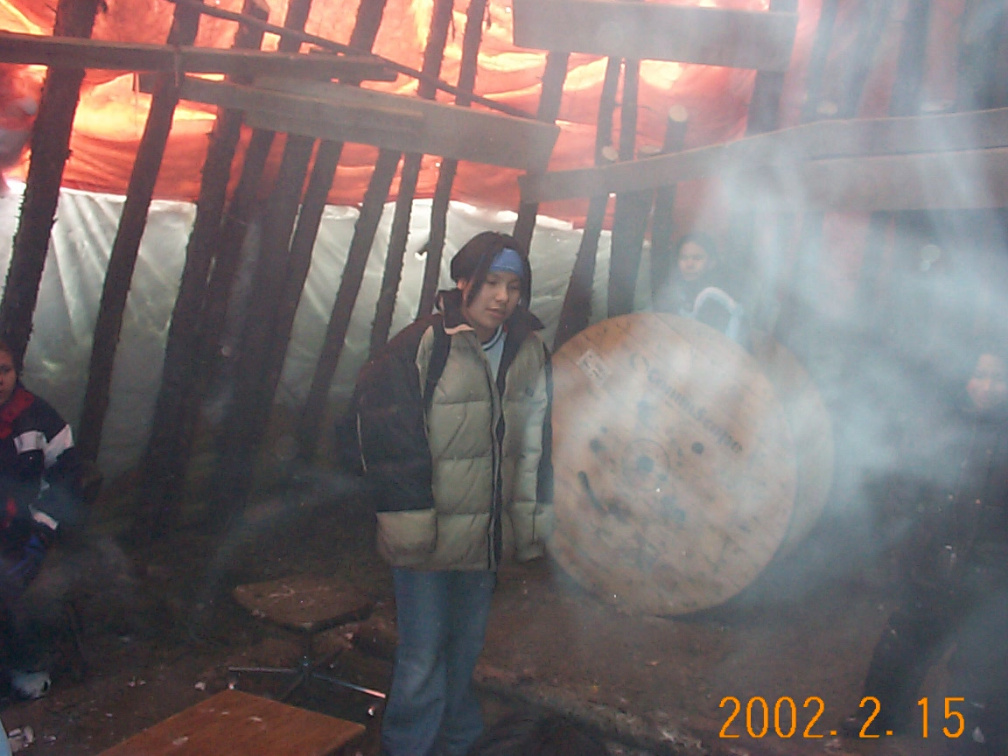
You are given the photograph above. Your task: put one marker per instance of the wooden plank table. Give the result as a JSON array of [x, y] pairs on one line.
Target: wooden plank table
[[232, 722]]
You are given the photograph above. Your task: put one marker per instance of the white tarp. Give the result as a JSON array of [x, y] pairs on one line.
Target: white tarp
[[56, 363]]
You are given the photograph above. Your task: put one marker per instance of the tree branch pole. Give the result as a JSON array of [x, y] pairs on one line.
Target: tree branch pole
[[126, 246], [905, 100], [763, 116], [576, 311], [471, 39], [663, 218], [168, 448], [821, 45], [630, 210], [346, 297], [50, 148], [554, 76], [231, 236], [360, 247], [410, 174], [316, 196], [251, 401], [292, 271]]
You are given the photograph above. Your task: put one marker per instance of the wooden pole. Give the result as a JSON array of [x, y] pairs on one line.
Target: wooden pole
[[576, 310], [238, 217], [184, 60], [168, 448], [553, 80], [764, 106], [399, 235], [266, 332], [663, 220], [360, 247], [258, 366], [226, 243], [125, 247], [905, 100], [346, 297], [981, 83], [875, 16], [911, 65], [316, 196], [50, 148], [857, 68], [434, 249], [631, 209], [763, 116], [817, 59]]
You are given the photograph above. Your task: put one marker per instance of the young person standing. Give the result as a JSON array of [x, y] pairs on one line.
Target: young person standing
[[453, 420], [956, 583]]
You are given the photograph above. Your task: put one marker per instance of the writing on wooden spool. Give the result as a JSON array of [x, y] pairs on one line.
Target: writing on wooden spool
[[674, 464]]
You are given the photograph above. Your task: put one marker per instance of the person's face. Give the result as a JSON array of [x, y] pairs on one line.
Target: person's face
[[693, 261], [494, 303], [988, 386], [8, 377]]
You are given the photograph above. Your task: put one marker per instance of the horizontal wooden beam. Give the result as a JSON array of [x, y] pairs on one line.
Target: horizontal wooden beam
[[68, 52], [650, 31], [288, 113], [858, 138], [396, 122], [328, 44], [964, 180]]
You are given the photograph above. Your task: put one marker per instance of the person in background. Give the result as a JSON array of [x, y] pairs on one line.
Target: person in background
[[698, 290], [696, 269], [956, 582], [39, 480], [453, 420]]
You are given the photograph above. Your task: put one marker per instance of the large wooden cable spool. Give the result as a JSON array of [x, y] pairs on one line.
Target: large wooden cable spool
[[674, 463], [812, 430]]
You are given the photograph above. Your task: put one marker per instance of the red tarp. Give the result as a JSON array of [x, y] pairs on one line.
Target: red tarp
[[111, 115]]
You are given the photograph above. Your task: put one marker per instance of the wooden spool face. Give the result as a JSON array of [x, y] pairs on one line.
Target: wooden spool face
[[812, 431], [674, 464]]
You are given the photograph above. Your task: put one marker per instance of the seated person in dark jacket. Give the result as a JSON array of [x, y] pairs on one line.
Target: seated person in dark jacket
[[698, 290], [39, 475], [696, 270], [956, 586]]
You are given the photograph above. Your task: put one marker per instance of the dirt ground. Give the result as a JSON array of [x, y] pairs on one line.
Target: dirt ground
[[159, 630]]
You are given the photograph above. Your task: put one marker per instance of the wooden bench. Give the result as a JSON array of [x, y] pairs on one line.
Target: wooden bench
[[232, 723]]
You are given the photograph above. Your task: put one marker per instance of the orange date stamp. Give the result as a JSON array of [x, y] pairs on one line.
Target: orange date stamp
[[760, 718]]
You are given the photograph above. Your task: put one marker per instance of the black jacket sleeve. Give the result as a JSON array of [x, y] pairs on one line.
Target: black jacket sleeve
[[391, 425]]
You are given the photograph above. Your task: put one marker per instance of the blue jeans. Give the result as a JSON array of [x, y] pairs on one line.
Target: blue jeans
[[441, 617]]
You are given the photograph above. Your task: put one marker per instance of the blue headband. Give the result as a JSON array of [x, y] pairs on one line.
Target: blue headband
[[508, 260]]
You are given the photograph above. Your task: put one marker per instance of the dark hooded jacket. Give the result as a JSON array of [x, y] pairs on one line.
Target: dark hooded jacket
[[961, 498], [460, 461]]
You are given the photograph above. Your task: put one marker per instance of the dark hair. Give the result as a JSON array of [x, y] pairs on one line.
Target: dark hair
[[698, 237], [472, 261], [950, 369], [5, 347], [527, 734]]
